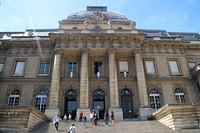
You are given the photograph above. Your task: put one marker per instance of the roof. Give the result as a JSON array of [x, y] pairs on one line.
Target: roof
[[96, 12], [28, 32], [190, 36]]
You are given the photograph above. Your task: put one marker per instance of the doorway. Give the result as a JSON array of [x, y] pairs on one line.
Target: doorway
[[71, 103], [99, 103], [127, 103]]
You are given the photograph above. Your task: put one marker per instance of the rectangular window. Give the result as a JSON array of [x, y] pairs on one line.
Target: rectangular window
[[19, 68], [191, 65], [98, 67], [123, 66], [1, 67], [174, 67], [44, 69], [72, 68], [150, 67]]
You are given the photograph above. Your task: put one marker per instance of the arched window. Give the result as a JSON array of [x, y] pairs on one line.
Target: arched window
[[99, 95], [14, 98], [155, 99], [71, 94], [180, 95], [41, 100]]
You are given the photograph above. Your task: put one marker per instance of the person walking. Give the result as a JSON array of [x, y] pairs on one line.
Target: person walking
[[56, 121], [112, 117], [106, 117], [84, 121], [72, 129]]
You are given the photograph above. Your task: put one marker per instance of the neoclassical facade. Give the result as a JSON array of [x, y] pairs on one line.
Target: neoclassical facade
[[98, 59]]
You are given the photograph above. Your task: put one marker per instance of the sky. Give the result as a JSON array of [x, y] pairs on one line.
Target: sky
[[170, 15]]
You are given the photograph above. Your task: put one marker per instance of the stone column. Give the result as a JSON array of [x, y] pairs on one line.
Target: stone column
[[53, 109], [84, 85], [113, 85], [144, 111]]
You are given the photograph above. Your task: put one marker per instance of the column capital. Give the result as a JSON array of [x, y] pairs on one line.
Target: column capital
[[58, 51], [111, 51], [137, 51], [85, 51]]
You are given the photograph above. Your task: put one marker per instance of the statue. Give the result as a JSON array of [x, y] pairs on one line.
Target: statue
[[109, 24], [132, 24], [85, 23]]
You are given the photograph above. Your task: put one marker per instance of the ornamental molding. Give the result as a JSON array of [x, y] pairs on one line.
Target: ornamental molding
[[97, 17], [149, 78], [19, 79]]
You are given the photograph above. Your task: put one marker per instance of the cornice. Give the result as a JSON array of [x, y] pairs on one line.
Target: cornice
[[165, 44]]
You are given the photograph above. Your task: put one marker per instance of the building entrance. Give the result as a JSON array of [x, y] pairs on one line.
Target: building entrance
[[99, 103], [71, 103], [127, 103]]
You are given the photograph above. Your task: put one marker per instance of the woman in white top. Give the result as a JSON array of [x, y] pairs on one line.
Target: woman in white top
[[72, 129]]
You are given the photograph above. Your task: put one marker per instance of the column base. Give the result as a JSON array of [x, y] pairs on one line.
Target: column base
[[51, 113], [145, 112], [85, 112], [118, 114]]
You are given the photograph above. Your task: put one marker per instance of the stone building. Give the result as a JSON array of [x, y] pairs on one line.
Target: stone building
[[98, 59]]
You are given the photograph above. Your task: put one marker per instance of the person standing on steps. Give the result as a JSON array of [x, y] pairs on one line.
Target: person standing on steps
[[84, 121], [95, 118], [112, 117], [80, 116], [70, 117], [91, 117], [106, 117], [56, 121], [65, 118]]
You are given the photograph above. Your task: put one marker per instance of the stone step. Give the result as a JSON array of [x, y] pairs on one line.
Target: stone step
[[118, 127]]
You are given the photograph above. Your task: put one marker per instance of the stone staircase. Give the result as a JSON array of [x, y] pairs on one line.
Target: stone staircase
[[179, 116], [20, 119], [118, 127]]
